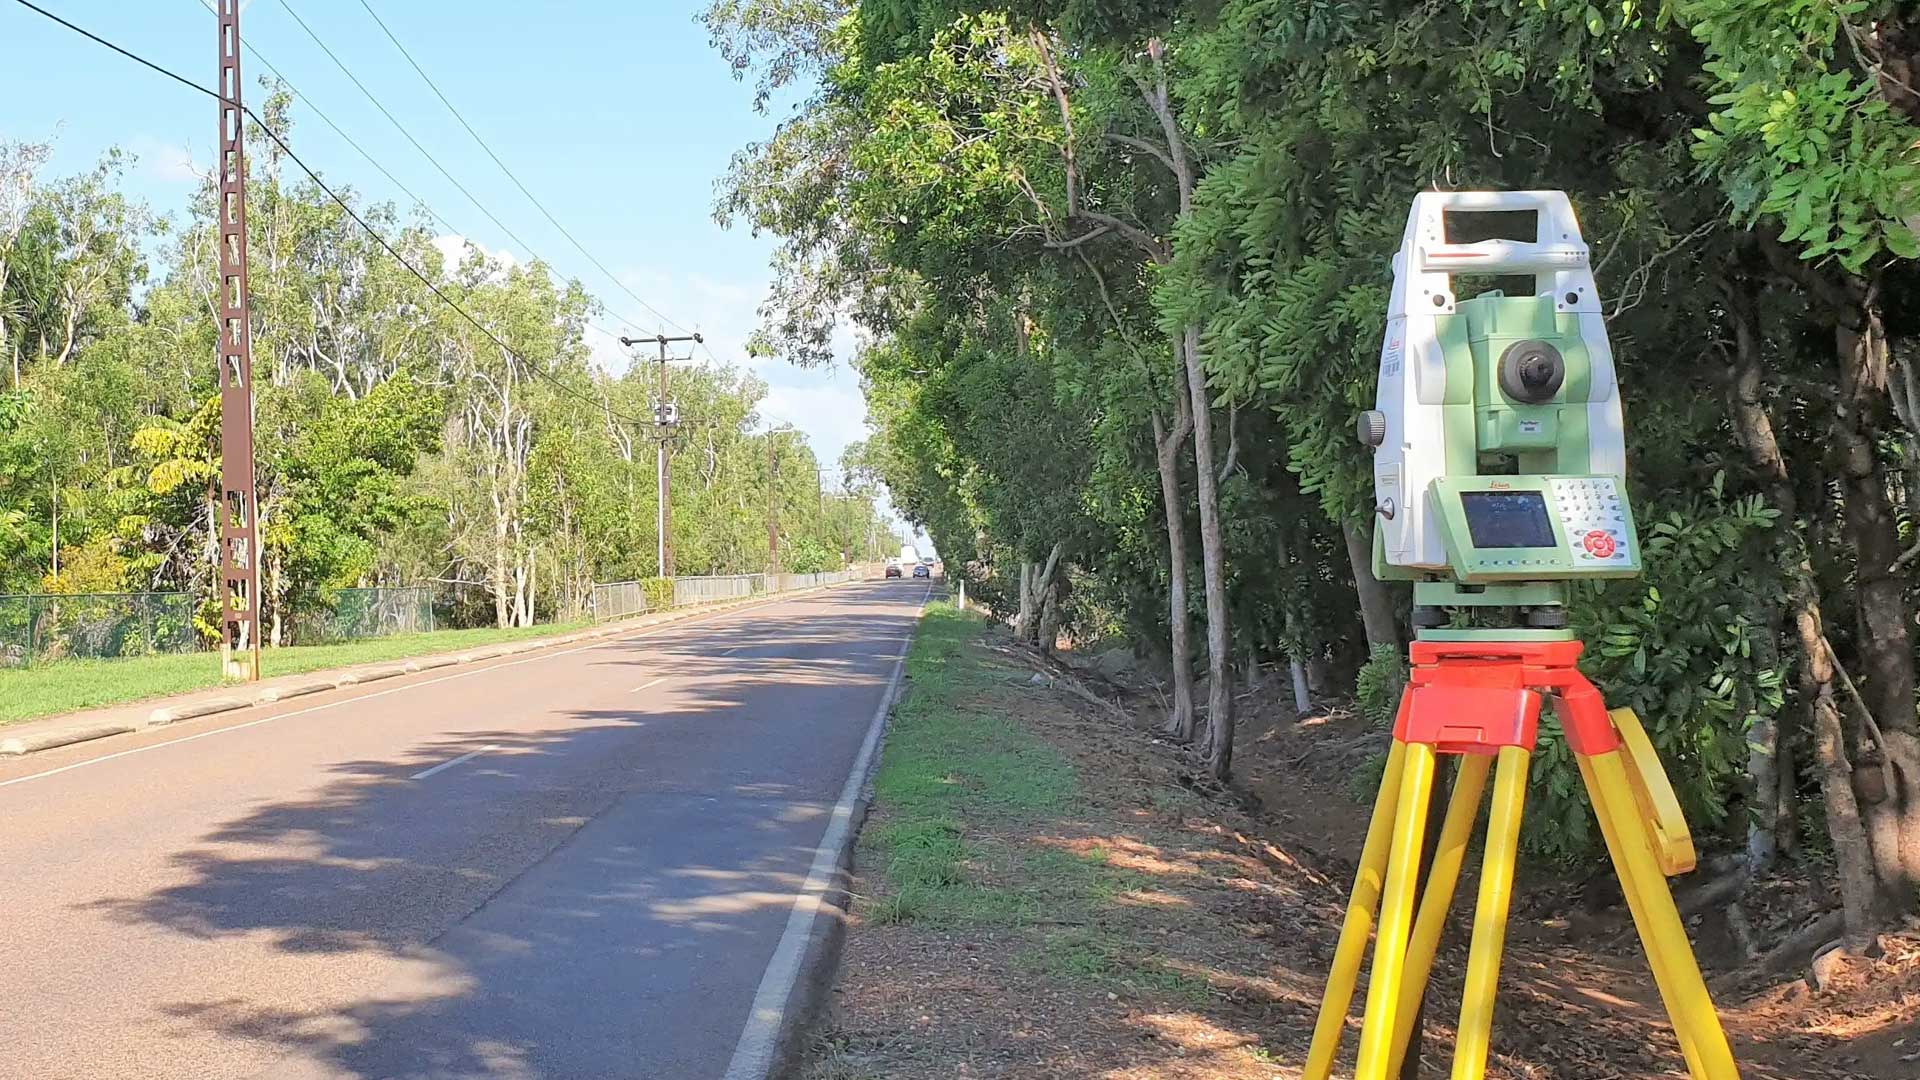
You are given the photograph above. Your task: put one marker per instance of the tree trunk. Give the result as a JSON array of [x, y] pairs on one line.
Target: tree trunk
[[502, 615], [1376, 601], [1786, 827], [1045, 591], [1023, 621], [276, 589], [1886, 645], [1763, 759], [531, 594], [1853, 856], [1213, 560], [53, 495], [1296, 632], [1049, 634], [1181, 719], [1754, 427]]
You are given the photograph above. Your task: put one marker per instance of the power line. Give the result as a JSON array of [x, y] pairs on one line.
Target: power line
[[431, 85], [451, 228], [345, 206], [471, 197], [435, 162]]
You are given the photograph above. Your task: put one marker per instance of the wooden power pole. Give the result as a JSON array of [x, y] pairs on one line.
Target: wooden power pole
[[666, 417], [239, 555]]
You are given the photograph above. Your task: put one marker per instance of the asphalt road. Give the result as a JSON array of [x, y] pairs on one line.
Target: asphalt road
[[574, 864]]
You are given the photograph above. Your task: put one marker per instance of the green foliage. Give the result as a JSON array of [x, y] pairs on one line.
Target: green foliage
[[809, 556], [1377, 689], [394, 443], [1799, 135], [1020, 251], [658, 591], [1692, 657]]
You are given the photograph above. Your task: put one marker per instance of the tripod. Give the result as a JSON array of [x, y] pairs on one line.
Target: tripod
[[1480, 700]]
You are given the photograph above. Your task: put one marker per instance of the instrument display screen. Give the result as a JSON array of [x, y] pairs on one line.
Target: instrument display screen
[[1508, 519]]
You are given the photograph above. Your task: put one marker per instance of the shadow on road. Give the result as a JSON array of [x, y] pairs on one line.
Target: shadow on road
[[602, 884]]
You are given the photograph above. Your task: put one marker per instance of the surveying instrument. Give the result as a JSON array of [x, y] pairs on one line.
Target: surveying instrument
[[1499, 477]]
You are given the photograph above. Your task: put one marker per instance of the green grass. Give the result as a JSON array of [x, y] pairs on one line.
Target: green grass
[[958, 784], [67, 685], [951, 759], [947, 761], [1099, 958]]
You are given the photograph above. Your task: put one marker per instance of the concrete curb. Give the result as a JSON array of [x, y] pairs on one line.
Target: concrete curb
[[47, 740], [811, 1001], [281, 693], [173, 713], [169, 714], [805, 1001]]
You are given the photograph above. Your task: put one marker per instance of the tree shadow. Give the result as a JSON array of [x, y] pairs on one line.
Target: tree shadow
[[599, 898]]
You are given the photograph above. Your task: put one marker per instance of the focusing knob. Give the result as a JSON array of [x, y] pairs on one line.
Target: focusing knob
[[1372, 427], [1531, 372]]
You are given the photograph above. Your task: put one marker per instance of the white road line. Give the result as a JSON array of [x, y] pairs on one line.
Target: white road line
[[644, 685], [733, 650], [753, 1054], [424, 773], [679, 624]]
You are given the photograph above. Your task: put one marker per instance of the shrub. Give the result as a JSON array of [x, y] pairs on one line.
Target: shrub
[[1376, 692]]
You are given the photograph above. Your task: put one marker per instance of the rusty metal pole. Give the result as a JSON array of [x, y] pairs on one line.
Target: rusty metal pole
[[239, 556]]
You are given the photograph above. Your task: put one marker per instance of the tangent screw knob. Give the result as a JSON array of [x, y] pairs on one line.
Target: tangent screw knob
[[1372, 427]]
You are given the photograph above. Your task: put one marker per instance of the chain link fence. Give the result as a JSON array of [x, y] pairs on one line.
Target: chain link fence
[[38, 628], [619, 600], [791, 582], [364, 613], [707, 590]]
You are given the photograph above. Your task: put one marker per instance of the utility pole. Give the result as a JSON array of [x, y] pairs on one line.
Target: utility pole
[[773, 497], [239, 555], [666, 417], [773, 504]]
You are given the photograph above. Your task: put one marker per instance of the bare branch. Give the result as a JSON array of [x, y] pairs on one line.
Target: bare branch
[[1096, 233], [1146, 146], [1155, 248], [1156, 95]]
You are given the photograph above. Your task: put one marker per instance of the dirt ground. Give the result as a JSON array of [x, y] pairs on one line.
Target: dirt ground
[[1149, 927]]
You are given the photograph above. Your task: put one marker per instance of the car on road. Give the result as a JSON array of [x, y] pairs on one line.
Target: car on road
[[893, 569], [922, 570]]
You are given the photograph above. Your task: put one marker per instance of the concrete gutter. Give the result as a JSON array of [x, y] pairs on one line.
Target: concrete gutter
[[32, 736], [797, 985]]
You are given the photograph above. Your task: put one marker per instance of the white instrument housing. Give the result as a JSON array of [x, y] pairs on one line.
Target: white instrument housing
[[1413, 370]]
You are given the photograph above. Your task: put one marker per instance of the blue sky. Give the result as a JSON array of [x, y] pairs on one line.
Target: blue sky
[[616, 113]]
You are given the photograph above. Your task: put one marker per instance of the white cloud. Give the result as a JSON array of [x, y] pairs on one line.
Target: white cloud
[[831, 412], [166, 162], [454, 249]]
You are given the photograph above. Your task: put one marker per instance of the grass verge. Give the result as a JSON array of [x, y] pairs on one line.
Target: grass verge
[[69, 685], [962, 789]]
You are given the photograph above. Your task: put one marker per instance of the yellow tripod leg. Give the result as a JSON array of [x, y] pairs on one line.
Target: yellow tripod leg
[[1463, 808], [1361, 906], [1396, 914], [1661, 932], [1610, 826], [1490, 916]]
